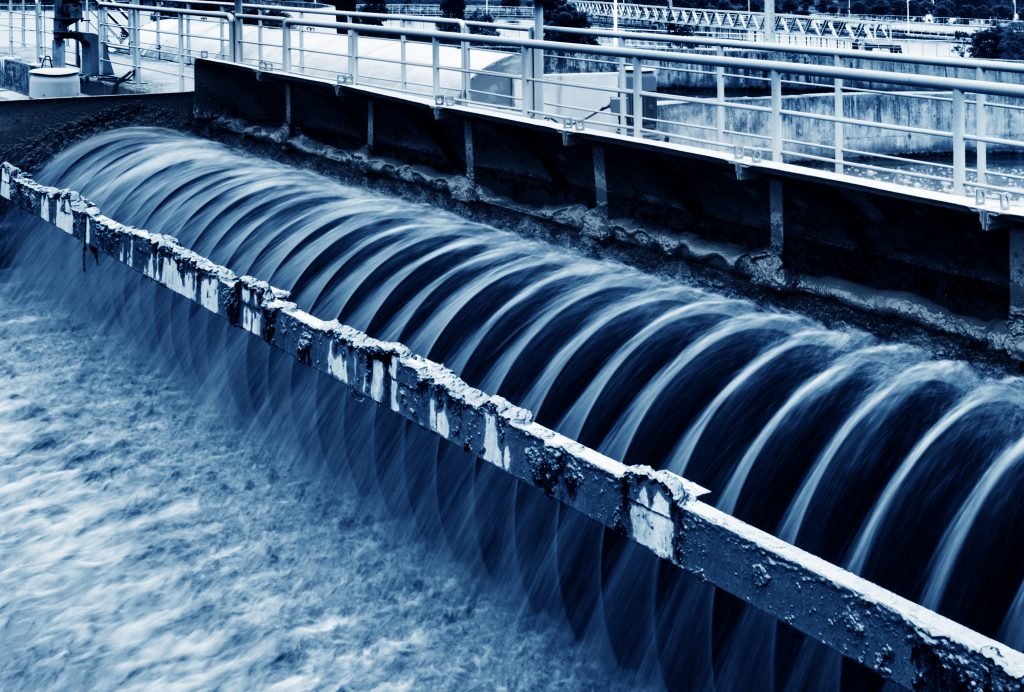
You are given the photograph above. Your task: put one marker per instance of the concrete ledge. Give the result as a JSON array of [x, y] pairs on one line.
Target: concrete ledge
[[14, 74], [900, 640]]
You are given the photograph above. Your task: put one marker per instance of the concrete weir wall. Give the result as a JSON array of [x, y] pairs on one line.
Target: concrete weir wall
[[902, 641]]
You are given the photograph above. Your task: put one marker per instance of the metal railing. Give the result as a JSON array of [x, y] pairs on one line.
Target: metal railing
[[147, 38], [26, 28], [495, 9], [836, 26], [921, 134]]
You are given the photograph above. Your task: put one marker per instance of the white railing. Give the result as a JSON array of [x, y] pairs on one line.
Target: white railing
[[931, 135], [26, 28]]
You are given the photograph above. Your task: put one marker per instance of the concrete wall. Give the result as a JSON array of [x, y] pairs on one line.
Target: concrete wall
[[580, 96], [695, 119], [656, 509], [673, 76], [14, 74]]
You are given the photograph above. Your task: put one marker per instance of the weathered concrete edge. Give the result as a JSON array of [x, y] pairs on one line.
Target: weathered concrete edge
[[902, 641]]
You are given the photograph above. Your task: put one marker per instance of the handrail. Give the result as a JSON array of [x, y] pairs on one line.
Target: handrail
[[831, 72], [965, 63], [343, 13], [176, 10], [968, 130]]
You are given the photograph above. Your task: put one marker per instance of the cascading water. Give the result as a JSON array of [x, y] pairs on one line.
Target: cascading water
[[873, 456]]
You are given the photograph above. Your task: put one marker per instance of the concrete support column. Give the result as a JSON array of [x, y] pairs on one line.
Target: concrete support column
[[776, 215], [369, 125], [467, 136], [600, 179], [1016, 239], [288, 106]]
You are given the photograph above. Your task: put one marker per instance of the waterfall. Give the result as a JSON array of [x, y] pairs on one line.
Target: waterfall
[[875, 456]]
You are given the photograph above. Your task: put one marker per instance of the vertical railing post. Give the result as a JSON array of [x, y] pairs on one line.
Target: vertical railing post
[[775, 117], [221, 53], [435, 65], [959, 143], [464, 59], [133, 30], [402, 66], [286, 46], [259, 39], [638, 98], [981, 128], [238, 34], [839, 133], [353, 55], [101, 30], [527, 84], [620, 95], [159, 50], [538, 58], [720, 96], [39, 30], [181, 52], [10, 27]]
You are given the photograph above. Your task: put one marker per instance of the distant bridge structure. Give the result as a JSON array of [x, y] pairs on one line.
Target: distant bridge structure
[[734, 23]]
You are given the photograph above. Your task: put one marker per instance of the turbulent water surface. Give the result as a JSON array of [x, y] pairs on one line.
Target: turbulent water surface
[[147, 541], [875, 456]]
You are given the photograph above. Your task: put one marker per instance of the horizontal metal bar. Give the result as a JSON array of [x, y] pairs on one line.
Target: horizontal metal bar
[[901, 640], [168, 10], [831, 72], [965, 63]]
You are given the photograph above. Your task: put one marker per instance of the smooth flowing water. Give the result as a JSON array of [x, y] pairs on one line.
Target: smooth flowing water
[[874, 456]]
